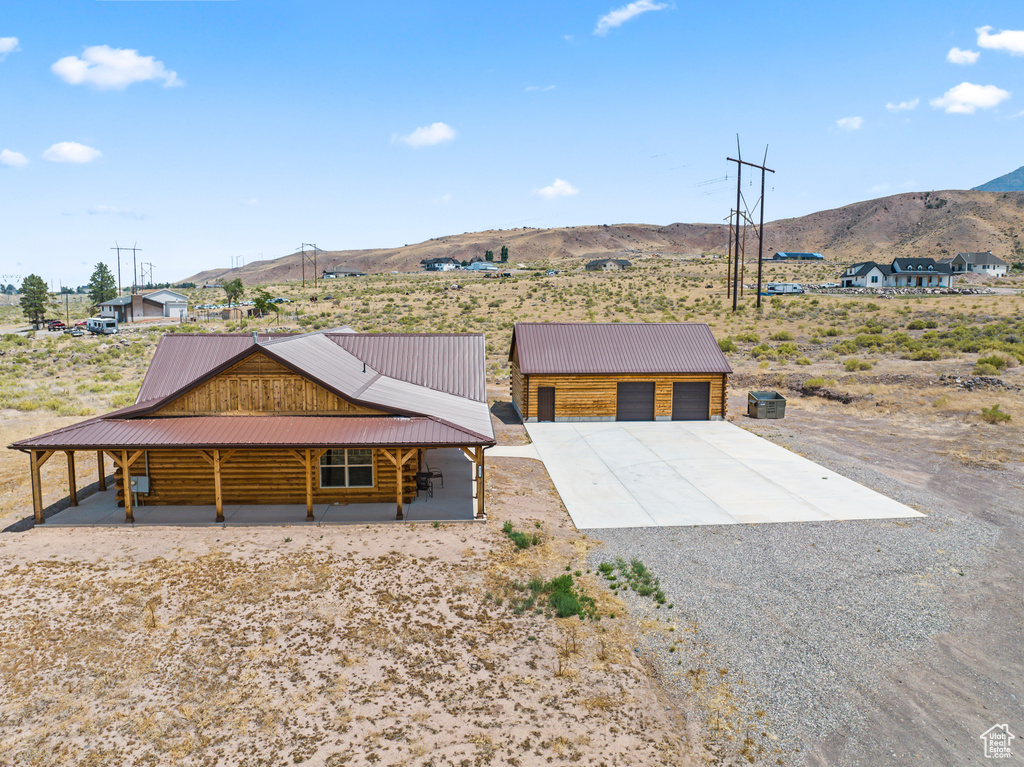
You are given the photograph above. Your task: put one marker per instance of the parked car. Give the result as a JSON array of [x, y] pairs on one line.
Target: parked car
[[76, 332], [80, 324], [55, 325]]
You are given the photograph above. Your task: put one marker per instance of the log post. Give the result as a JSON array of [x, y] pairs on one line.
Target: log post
[[309, 486], [102, 470], [37, 487], [218, 497], [126, 483], [398, 480], [72, 480], [479, 467]]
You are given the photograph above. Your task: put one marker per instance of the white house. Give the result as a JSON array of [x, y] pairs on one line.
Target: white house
[[901, 273], [979, 263], [482, 266]]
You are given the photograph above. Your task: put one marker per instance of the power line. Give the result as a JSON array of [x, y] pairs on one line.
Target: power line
[[740, 162]]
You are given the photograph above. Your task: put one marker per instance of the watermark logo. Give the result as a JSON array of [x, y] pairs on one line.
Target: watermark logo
[[997, 741]]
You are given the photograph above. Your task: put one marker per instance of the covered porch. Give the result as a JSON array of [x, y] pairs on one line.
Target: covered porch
[[457, 494]]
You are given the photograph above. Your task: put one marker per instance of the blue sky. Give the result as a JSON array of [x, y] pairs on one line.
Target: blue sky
[[205, 130]]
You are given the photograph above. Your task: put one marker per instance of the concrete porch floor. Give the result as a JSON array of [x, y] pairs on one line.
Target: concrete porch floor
[[455, 502]]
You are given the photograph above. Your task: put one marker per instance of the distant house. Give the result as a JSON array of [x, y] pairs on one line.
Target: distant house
[[482, 266], [617, 372], [979, 263], [793, 256], [608, 265], [342, 271], [901, 273], [439, 264], [147, 304]]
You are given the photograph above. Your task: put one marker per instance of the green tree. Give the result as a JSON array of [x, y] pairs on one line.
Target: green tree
[[35, 298], [101, 285], [488, 255], [234, 289], [264, 302], [504, 254]]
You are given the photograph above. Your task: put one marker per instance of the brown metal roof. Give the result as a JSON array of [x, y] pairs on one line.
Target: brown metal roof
[[566, 348], [251, 432], [450, 362]]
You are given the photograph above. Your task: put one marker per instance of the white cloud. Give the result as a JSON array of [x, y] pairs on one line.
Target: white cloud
[[112, 68], [12, 159], [965, 98], [532, 88], [560, 188], [107, 210], [8, 45], [903, 106], [620, 16], [959, 56], [428, 135], [1009, 40], [850, 123], [71, 151]]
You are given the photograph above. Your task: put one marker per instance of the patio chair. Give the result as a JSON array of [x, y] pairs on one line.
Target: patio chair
[[424, 483], [434, 473]]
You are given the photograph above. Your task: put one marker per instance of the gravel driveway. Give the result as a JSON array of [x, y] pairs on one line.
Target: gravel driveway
[[843, 642]]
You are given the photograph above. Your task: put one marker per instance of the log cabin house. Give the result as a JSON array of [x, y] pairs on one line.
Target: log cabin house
[[617, 372], [326, 417]]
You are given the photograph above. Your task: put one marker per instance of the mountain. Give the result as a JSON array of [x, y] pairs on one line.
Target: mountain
[[914, 224], [1011, 182]]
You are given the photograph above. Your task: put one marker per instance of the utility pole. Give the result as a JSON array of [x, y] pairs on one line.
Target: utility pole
[[311, 258], [118, 249], [740, 162]]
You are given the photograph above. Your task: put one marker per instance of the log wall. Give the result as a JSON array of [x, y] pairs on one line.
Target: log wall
[[183, 478], [259, 385], [594, 396]]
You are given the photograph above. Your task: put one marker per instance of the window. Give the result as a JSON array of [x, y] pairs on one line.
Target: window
[[874, 278], [347, 467]]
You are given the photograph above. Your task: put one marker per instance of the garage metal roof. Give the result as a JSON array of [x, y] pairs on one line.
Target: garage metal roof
[[581, 348]]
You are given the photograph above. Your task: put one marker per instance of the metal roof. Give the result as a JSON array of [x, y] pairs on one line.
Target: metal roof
[[250, 432], [455, 363], [675, 347], [183, 358]]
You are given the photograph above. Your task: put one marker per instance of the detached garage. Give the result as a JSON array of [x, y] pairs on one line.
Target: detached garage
[[617, 372]]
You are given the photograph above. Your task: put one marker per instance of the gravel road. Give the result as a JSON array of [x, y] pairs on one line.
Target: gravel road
[[809, 630]]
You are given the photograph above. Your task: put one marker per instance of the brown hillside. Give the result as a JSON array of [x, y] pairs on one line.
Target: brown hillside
[[935, 224]]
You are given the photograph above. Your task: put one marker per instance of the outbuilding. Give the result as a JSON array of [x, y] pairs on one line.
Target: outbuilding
[[617, 372]]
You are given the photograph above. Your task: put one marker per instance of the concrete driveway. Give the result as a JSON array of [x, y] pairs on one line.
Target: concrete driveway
[[693, 473]]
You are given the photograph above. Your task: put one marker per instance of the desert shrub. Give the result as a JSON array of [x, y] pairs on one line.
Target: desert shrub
[[927, 355], [984, 369], [916, 325], [786, 350], [726, 344], [845, 347], [520, 539], [803, 361], [865, 340], [782, 335], [749, 337], [814, 383], [830, 332], [853, 365], [763, 351], [814, 340], [997, 361], [994, 415]]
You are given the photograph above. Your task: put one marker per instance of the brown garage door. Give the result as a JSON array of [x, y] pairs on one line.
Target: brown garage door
[[691, 401], [635, 401]]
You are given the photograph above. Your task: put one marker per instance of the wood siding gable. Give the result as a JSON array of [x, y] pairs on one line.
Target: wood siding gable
[[259, 385]]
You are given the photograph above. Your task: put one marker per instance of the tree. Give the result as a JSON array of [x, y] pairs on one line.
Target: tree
[[35, 298], [101, 285], [504, 254], [264, 303], [234, 290], [488, 255]]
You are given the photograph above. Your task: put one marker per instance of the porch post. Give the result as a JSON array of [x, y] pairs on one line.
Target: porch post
[[309, 486], [479, 466], [399, 463], [72, 484], [126, 483], [37, 487], [102, 470], [218, 497]]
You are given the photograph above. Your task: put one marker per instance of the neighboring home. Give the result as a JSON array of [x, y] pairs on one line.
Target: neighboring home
[[901, 273], [342, 271], [326, 418], [607, 265], [979, 263], [792, 256], [146, 304], [482, 266], [440, 264], [617, 372]]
